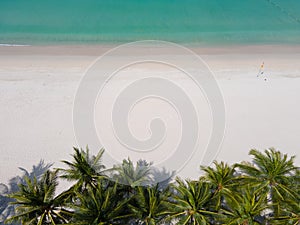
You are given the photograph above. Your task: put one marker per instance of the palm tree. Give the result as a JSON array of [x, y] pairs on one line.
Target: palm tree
[[271, 173], [8, 210], [36, 204], [191, 203], [223, 180], [245, 208], [85, 170], [102, 205], [150, 205], [290, 213], [133, 176], [291, 206]]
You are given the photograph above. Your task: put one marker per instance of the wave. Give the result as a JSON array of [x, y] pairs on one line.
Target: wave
[[12, 45]]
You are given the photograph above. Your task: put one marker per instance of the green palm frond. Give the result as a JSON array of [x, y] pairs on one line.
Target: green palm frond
[[84, 169], [271, 173], [100, 205], [36, 203], [245, 207], [133, 175], [223, 179], [150, 205], [191, 202]]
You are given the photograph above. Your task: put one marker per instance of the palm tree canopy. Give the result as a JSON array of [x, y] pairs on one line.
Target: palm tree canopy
[[191, 202], [101, 205], [223, 180], [150, 205], [84, 169], [133, 175], [270, 169], [245, 207], [290, 214], [266, 191], [36, 201]]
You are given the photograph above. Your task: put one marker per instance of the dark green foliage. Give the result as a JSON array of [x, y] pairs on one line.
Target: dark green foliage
[[8, 210], [101, 205], [245, 207], [36, 202], [132, 175], [85, 169], [150, 205], [263, 192], [271, 173], [191, 202], [223, 180]]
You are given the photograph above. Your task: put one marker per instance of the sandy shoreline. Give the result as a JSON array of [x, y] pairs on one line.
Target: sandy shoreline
[[95, 50], [38, 85]]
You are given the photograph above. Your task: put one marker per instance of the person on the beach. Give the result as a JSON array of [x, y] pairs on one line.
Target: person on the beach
[[261, 69]]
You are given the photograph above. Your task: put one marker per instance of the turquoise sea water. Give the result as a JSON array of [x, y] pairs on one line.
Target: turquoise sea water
[[182, 21]]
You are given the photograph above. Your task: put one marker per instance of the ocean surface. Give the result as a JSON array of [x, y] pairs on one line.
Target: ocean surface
[[181, 21]]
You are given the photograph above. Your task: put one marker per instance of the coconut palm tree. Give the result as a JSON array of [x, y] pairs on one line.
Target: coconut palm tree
[[271, 173], [133, 175], [223, 180], [191, 203], [245, 207], [290, 213], [84, 169], [102, 205], [8, 210], [150, 205], [36, 202]]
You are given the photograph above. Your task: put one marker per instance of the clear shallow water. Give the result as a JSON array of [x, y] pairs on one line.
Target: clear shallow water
[[182, 21]]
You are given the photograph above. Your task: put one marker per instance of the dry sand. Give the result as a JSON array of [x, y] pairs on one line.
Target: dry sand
[[38, 85]]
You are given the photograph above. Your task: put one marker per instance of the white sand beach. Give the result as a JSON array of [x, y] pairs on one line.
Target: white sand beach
[[38, 85]]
